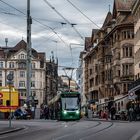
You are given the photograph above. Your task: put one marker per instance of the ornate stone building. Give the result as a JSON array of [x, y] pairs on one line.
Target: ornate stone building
[[134, 88], [13, 60], [51, 79], [110, 61]]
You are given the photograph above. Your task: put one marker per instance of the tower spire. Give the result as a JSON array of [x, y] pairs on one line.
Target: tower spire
[[109, 7]]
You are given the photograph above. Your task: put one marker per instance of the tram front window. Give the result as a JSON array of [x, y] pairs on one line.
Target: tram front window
[[70, 103]]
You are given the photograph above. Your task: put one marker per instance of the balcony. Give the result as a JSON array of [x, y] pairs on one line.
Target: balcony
[[127, 78]]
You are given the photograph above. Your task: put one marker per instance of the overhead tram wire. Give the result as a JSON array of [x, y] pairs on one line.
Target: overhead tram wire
[[37, 22], [72, 25], [83, 14]]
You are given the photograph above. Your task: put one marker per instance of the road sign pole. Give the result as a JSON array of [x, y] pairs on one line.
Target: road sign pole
[[10, 78]]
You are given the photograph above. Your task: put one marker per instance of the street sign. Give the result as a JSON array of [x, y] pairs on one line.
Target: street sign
[[132, 95], [10, 77]]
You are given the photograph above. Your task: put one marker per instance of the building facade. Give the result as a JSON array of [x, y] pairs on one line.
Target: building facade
[[110, 61], [51, 79], [80, 78], [13, 60], [134, 88]]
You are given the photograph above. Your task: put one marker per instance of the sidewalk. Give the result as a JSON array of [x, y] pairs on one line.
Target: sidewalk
[[4, 129]]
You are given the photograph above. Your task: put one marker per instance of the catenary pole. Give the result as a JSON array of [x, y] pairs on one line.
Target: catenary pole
[[29, 22]]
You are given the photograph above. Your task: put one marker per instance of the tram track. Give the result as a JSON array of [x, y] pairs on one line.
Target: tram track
[[101, 130], [86, 132]]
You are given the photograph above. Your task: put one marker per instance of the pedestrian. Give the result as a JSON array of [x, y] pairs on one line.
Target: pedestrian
[[130, 113], [112, 112], [106, 114], [46, 112]]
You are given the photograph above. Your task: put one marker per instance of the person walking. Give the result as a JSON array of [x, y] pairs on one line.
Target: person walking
[[130, 113], [112, 112], [46, 112]]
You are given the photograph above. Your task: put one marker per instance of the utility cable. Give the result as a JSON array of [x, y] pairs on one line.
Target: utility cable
[[37, 21], [72, 25], [83, 13]]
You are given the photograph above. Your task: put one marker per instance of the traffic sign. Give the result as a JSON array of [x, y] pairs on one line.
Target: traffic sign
[[10, 77], [132, 95]]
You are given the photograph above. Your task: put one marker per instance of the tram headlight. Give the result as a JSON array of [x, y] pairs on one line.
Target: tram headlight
[[65, 112], [77, 111]]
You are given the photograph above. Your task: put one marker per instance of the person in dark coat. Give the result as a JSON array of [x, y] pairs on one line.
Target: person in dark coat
[[46, 112], [112, 112]]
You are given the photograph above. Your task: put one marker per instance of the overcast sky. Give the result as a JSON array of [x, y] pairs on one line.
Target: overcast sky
[[13, 25]]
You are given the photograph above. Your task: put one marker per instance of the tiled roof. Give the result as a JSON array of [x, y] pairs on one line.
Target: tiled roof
[[107, 20], [128, 19], [21, 45], [124, 4], [41, 55]]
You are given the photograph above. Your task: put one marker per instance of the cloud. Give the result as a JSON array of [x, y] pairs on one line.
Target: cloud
[[45, 35]]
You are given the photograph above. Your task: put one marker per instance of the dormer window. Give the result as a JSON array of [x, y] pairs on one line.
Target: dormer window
[[22, 56]]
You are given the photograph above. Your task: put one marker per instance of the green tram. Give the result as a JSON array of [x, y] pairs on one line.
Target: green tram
[[66, 106]]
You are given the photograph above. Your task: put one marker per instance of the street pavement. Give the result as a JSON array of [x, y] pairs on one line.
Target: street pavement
[[5, 128], [97, 129]]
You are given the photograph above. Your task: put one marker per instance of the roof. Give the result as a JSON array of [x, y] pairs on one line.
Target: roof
[[108, 19], [122, 5], [20, 45]]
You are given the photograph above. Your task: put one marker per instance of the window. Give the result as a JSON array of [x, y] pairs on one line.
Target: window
[[1, 64], [33, 65], [22, 56], [125, 87], [0, 82], [127, 50], [21, 83], [90, 71], [22, 74], [22, 65], [33, 84], [0, 73], [11, 65], [33, 93], [33, 74], [127, 69], [11, 72]]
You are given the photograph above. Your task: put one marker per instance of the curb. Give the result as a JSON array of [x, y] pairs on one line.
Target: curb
[[10, 131]]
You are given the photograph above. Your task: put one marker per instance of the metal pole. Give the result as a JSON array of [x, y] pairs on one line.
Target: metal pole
[[10, 104], [29, 22], [6, 52]]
